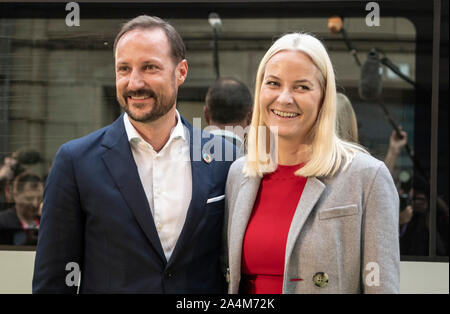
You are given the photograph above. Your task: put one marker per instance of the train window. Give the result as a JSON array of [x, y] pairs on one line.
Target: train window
[[57, 83]]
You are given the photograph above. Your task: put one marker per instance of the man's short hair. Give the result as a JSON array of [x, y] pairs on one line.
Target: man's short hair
[[228, 100], [146, 22], [26, 178]]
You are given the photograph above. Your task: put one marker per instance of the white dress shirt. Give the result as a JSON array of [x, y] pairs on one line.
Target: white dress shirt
[[166, 178]]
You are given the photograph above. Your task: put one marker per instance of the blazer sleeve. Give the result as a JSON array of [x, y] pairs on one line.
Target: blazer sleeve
[[60, 239], [230, 197], [380, 239], [224, 252]]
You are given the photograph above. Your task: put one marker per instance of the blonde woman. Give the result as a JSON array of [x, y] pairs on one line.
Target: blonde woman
[[319, 214], [346, 124]]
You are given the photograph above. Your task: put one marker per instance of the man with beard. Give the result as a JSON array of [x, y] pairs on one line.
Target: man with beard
[[137, 207]]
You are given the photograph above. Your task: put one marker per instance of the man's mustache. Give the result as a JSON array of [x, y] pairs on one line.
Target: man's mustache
[[140, 92]]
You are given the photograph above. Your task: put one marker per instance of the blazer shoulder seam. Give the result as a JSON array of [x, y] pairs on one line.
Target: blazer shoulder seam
[[372, 183]]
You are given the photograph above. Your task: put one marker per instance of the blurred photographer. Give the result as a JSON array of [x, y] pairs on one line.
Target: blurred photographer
[[414, 207], [415, 224]]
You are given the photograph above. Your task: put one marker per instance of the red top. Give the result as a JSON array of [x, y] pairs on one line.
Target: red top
[[264, 244]]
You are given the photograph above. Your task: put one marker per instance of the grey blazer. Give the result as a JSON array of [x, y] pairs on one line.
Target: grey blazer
[[345, 226]]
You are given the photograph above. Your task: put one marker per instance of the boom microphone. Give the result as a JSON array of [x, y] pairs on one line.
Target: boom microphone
[[336, 25], [216, 23], [370, 84], [214, 20]]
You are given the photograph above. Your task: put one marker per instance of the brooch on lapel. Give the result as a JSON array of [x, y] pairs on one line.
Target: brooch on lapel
[[207, 158]]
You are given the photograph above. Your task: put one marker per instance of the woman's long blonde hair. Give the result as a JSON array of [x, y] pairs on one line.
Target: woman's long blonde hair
[[328, 151]]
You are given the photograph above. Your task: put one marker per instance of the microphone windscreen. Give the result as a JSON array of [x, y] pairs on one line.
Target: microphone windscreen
[[335, 24], [214, 20], [213, 15], [370, 84]]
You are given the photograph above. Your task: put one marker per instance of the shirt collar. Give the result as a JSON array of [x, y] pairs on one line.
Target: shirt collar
[[134, 136]]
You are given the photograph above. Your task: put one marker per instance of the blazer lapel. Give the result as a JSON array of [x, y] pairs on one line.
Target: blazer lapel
[[122, 167], [201, 185], [310, 195], [242, 211]]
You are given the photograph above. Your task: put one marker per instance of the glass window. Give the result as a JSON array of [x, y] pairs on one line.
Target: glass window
[[57, 83]]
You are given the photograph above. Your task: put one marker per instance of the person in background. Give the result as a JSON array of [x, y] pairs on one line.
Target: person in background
[[346, 123], [396, 144], [317, 214], [229, 106], [19, 224], [414, 208], [415, 231], [12, 165]]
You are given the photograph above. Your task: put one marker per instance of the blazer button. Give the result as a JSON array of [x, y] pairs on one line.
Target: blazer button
[[320, 279]]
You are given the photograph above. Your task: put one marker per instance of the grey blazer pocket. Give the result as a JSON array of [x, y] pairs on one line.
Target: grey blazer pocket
[[341, 211]]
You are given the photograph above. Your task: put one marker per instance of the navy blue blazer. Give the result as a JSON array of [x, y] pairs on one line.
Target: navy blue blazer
[[96, 214]]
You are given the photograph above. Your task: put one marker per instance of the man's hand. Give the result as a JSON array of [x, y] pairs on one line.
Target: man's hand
[[406, 215], [396, 143]]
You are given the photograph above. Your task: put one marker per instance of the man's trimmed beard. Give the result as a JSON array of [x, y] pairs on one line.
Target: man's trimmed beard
[[162, 105]]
